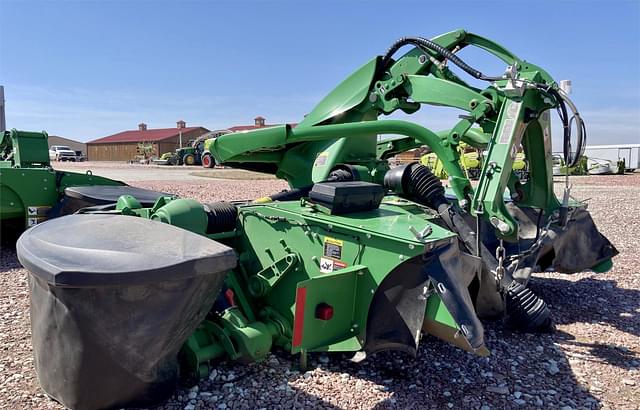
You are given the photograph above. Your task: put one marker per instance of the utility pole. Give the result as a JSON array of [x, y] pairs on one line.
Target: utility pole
[[3, 120]]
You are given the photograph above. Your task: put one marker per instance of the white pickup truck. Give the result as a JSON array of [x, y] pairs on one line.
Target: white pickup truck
[[61, 153]]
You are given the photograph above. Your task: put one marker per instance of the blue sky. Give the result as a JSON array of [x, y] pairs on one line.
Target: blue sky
[[85, 69]]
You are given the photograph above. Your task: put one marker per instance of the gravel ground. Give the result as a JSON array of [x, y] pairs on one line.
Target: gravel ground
[[218, 190], [591, 361]]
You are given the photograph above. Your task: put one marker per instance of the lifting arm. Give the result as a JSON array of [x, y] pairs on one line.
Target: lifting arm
[[344, 127]]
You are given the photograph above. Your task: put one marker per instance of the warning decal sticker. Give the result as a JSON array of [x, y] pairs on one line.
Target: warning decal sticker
[[329, 265], [36, 214], [326, 265], [33, 210], [332, 248]]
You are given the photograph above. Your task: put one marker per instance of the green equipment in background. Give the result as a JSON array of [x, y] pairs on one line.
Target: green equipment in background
[[471, 163], [195, 153], [29, 187], [559, 167], [189, 155], [357, 256]]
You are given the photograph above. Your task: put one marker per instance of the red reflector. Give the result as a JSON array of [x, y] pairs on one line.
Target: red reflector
[[324, 311], [298, 319], [230, 297]]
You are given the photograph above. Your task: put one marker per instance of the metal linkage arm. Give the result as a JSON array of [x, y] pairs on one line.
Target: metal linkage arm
[[243, 147]]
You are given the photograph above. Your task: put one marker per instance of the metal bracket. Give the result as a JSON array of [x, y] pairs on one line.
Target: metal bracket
[[262, 282], [421, 235]]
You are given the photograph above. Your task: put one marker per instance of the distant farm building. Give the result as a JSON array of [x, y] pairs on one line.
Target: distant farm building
[[123, 146], [258, 122], [410, 156], [74, 145]]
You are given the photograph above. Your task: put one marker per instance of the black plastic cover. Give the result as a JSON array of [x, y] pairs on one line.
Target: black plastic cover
[[113, 298], [451, 273], [397, 311], [99, 250], [78, 197], [347, 196]]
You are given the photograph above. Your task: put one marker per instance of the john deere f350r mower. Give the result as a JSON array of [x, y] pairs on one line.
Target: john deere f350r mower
[[355, 257]]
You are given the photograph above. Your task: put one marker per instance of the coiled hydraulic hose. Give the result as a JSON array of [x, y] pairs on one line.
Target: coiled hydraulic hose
[[561, 98], [581, 138]]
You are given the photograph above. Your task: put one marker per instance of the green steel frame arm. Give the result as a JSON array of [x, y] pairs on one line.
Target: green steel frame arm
[[344, 127], [225, 148]]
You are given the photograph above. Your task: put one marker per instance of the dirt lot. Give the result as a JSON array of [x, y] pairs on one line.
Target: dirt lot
[[138, 172], [591, 361]]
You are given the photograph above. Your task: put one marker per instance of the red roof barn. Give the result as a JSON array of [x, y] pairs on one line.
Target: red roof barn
[[123, 146]]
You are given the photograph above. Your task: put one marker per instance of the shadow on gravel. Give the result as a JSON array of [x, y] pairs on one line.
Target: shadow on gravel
[[591, 300], [523, 371], [247, 387], [602, 352]]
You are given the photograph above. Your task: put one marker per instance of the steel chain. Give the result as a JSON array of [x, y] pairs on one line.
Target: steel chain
[[538, 243], [500, 255]]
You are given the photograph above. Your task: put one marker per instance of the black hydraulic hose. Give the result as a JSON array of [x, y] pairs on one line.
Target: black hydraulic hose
[[569, 159], [423, 43], [566, 127], [292, 194], [582, 137]]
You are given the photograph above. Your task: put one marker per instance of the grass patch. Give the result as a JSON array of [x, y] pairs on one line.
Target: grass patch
[[237, 174]]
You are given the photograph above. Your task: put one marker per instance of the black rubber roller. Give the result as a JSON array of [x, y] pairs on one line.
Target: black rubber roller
[[525, 311], [417, 182], [426, 186], [221, 217]]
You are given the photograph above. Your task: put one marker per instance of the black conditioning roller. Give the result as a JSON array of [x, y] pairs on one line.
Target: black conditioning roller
[[221, 217]]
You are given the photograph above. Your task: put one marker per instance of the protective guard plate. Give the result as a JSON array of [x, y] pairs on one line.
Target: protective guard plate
[[342, 291], [397, 310], [99, 250], [101, 195], [451, 273]]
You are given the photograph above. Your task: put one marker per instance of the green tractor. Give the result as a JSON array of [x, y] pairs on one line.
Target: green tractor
[[189, 155], [195, 153], [355, 257]]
